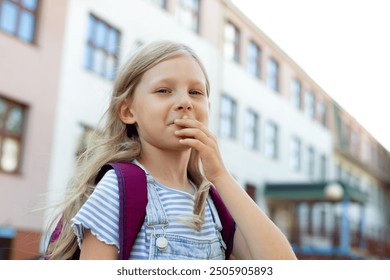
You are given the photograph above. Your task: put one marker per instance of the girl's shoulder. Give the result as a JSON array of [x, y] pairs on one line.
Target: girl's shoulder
[[108, 184]]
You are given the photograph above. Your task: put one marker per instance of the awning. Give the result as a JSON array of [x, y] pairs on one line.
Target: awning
[[7, 232], [319, 191]]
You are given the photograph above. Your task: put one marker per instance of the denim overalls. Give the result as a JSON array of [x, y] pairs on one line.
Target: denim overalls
[[168, 246]]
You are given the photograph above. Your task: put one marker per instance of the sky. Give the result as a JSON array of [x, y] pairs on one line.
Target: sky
[[343, 45]]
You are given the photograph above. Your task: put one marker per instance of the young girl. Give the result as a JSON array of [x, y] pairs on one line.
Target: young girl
[[157, 119]]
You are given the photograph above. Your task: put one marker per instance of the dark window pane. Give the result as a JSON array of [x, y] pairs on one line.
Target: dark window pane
[[9, 15], [26, 28], [15, 120]]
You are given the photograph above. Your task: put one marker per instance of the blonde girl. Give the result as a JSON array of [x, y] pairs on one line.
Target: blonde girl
[[157, 119]]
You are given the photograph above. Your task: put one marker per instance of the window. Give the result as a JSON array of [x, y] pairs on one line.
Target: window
[[323, 169], [86, 138], [338, 172], [303, 218], [296, 94], [322, 111], [161, 3], [345, 134], [254, 59], [189, 14], [102, 48], [295, 154], [310, 162], [355, 181], [355, 142], [271, 140], [18, 18], [347, 176], [273, 74], [11, 132], [309, 105], [367, 152], [5, 248], [228, 117], [251, 129], [251, 191], [232, 42]]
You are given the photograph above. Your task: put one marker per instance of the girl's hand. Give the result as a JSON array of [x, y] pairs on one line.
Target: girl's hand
[[197, 136]]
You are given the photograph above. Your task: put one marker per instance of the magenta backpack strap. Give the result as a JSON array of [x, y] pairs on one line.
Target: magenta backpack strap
[[133, 198], [228, 224]]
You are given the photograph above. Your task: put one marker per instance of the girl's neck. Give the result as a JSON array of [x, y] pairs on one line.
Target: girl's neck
[[169, 168]]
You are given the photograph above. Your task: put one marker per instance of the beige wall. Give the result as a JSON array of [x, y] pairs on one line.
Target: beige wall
[[29, 73]]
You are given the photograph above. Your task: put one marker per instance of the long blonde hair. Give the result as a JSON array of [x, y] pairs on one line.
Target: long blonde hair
[[120, 142]]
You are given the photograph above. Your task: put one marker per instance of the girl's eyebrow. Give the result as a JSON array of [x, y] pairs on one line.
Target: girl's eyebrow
[[170, 81]]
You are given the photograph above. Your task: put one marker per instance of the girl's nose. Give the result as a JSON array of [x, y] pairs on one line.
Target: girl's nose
[[184, 104]]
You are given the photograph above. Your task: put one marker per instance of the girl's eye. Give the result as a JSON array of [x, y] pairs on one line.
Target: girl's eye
[[162, 90], [196, 92]]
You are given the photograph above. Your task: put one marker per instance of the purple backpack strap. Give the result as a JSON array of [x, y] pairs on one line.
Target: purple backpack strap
[[133, 198], [228, 224]]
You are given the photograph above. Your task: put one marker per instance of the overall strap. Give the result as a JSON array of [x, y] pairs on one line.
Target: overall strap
[[227, 221], [133, 198]]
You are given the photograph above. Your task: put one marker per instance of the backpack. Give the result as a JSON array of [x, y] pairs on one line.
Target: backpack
[[133, 198]]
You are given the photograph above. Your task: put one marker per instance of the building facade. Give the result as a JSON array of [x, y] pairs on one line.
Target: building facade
[[275, 125], [30, 61]]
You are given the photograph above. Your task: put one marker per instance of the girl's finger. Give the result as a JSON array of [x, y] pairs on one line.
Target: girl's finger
[[193, 143], [193, 133], [194, 124]]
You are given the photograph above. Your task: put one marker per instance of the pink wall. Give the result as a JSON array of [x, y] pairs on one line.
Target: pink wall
[[29, 73]]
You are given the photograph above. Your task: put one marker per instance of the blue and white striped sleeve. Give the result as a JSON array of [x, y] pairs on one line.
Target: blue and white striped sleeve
[[100, 213]]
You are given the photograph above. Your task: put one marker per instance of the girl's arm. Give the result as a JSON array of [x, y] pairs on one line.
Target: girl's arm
[[94, 249], [256, 237]]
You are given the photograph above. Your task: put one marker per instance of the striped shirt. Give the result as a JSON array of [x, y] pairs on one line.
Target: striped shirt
[[100, 214]]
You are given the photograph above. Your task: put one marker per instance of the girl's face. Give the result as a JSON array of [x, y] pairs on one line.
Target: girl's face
[[173, 89]]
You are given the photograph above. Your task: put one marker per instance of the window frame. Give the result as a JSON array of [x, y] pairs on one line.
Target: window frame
[[252, 131], [273, 74], [236, 43], [322, 113], [311, 160], [310, 104], [183, 9], [228, 117], [271, 140], [296, 95], [20, 7], [296, 154], [93, 48], [19, 137], [254, 59], [323, 167]]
